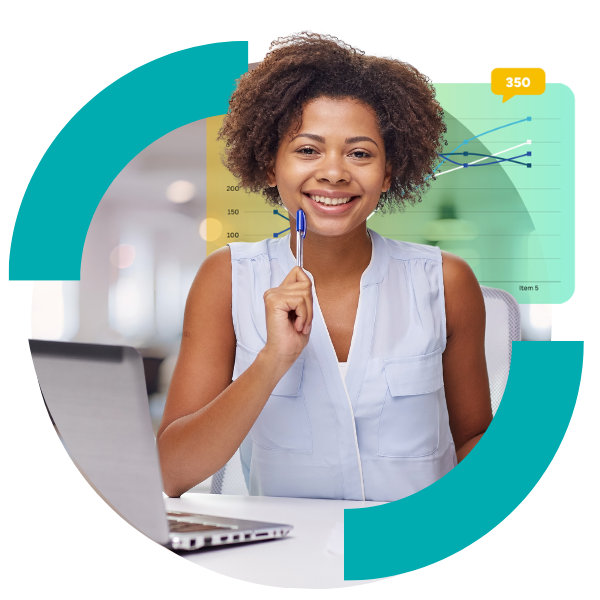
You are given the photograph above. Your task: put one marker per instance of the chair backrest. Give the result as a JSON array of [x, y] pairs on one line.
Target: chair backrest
[[503, 327], [230, 478]]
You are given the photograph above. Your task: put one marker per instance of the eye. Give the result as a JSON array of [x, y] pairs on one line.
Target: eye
[[360, 154], [306, 150]]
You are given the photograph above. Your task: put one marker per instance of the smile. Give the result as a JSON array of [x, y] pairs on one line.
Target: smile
[[331, 201]]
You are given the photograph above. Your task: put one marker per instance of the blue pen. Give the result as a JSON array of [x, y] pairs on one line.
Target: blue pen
[[300, 235]]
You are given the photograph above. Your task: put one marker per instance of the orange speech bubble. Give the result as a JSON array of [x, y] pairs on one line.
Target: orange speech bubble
[[513, 82]]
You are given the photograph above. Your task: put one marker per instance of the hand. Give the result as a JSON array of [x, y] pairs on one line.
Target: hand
[[289, 313]]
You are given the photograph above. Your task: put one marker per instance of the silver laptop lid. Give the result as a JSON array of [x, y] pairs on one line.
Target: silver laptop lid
[[96, 396]]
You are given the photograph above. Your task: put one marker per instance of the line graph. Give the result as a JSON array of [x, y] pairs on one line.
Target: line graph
[[512, 221]]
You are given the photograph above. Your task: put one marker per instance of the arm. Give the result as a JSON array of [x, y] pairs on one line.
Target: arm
[[207, 416], [465, 372]]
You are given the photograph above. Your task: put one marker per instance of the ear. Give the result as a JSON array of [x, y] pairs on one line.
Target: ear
[[271, 179], [387, 180]]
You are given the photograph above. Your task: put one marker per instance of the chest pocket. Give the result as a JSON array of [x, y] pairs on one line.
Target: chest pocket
[[283, 423], [409, 418]]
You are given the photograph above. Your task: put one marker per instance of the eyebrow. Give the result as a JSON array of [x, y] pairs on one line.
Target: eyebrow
[[321, 139]]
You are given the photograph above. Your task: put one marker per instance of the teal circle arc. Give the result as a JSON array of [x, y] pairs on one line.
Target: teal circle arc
[[487, 485], [101, 139]]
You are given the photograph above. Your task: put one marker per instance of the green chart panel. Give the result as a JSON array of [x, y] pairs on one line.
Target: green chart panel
[[510, 213]]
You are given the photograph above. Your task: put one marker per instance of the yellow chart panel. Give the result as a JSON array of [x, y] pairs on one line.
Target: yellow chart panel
[[232, 215]]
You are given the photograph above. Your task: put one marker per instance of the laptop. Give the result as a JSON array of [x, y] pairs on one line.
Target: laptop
[[96, 397]]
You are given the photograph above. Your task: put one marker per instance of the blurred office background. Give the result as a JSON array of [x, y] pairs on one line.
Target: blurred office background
[[142, 251]]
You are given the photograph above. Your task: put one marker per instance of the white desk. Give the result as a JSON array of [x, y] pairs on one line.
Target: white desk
[[299, 560]]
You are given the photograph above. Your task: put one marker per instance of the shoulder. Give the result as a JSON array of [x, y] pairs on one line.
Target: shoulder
[[213, 280], [216, 265], [456, 271], [464, 300]]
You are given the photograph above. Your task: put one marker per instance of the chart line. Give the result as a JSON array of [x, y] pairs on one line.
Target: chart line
[[482, 134], [527, 143]]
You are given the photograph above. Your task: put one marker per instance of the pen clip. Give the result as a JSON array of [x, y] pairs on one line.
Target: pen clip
[[301, 222]]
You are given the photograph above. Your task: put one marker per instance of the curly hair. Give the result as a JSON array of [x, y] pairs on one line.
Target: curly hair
[[268, 103]]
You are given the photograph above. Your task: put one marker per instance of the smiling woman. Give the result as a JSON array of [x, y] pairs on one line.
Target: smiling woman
[[363, 375]]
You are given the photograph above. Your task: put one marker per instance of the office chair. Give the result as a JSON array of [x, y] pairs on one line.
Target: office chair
[[502, 328], [230, 478]]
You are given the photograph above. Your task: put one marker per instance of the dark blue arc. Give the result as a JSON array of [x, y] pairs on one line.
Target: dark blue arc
[[512, 159], [445, 154]]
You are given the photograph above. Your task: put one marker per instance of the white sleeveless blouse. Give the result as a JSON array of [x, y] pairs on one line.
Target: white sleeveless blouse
[[379, 433]]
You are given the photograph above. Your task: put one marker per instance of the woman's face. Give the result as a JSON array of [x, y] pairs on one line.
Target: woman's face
[[334, 167]]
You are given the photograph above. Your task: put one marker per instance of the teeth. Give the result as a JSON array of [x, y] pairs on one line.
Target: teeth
[[331, 201]]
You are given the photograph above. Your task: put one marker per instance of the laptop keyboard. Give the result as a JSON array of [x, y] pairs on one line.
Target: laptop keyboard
[[181, 522], [187, 527]]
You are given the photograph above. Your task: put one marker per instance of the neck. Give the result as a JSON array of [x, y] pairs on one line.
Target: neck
[[334, 259]]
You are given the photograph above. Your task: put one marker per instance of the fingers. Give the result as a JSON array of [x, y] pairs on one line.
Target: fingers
[[302, 283], [293, 298], [296, 274], [303, 311], [288, 301], [297, 279]]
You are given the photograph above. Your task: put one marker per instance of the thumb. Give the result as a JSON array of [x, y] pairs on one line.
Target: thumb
[[296, 274]]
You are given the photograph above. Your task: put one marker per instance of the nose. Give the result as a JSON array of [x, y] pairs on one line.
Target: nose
[[332, 169]]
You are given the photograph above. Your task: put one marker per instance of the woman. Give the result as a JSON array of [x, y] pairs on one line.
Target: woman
[[362, 376]]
